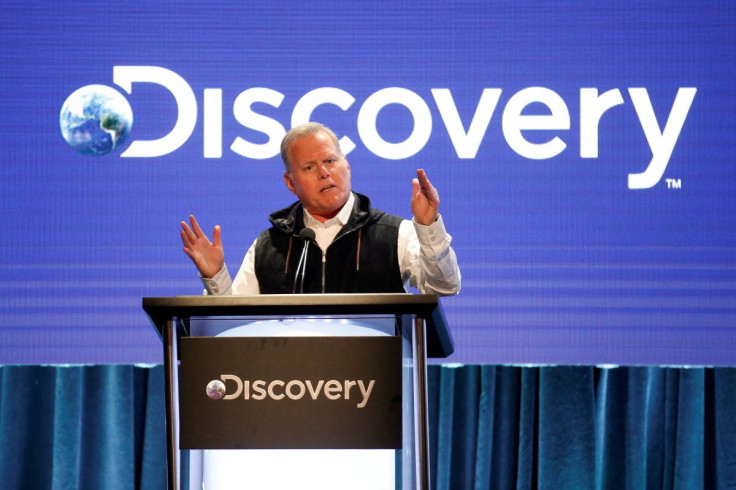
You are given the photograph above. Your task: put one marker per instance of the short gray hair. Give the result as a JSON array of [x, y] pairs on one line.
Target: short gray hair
[[300, 131]]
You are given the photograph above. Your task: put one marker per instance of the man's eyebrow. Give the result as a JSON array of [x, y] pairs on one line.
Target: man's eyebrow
[[328, 156]]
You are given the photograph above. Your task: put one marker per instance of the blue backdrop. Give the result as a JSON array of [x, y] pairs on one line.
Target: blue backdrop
[[600, 231]]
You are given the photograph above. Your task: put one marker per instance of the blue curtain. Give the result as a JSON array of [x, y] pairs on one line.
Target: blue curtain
[[583, 428], [82, 427], [491, 427]]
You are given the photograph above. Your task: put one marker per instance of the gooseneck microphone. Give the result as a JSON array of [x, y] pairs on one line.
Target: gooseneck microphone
[[307, 234]]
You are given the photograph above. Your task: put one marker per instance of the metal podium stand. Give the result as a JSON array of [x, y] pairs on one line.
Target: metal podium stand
[[419, 321]]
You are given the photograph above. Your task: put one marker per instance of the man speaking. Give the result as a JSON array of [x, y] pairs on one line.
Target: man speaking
[[358, 249], [329, 241]]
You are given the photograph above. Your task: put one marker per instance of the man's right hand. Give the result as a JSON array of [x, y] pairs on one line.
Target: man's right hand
[[209, 257]]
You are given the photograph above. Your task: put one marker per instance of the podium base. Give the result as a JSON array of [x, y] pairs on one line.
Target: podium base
[[306, 469]]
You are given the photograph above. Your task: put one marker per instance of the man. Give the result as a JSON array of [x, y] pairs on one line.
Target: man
[[360, 249]]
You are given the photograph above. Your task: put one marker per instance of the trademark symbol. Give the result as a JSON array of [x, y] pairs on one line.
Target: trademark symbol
[[674, 183]]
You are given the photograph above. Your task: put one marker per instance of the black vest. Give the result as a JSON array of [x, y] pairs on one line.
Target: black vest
[[363, 257]]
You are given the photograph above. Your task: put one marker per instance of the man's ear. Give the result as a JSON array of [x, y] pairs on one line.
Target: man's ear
[[289, 183]]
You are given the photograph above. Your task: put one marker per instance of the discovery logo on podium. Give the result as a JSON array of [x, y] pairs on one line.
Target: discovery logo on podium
[[291, 393], [295, 389]]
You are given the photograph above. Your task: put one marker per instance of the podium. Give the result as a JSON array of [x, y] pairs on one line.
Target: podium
[[260, 392]]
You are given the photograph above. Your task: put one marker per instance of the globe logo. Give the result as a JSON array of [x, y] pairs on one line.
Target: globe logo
[[95, 120], [216, 389]]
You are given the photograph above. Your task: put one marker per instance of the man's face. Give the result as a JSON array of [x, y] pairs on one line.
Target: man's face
[[319, 176]]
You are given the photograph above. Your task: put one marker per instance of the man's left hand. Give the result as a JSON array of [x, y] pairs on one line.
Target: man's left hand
[[425, 201]]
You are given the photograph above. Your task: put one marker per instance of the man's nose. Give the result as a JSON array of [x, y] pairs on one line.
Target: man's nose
[[323, 171]]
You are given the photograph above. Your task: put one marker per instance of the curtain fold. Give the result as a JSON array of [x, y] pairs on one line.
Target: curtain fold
[[491, 427]]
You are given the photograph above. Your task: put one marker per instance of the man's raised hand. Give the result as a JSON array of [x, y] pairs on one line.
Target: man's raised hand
[[209, 257], [425, 201]]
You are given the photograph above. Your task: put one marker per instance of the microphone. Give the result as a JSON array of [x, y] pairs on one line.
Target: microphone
[[307, 234]]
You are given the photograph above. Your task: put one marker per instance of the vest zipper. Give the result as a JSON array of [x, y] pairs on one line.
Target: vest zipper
[[324, 256]]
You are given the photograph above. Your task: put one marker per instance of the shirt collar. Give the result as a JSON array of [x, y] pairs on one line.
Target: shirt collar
[[340, 218]]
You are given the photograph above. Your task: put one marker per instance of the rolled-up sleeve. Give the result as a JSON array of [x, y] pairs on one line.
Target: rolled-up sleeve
[[427, 260]]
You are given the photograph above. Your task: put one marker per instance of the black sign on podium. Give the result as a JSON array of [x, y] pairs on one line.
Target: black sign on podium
[[225, 391], [322, 393]]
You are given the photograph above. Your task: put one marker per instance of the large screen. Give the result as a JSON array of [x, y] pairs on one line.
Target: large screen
[[584, 157]]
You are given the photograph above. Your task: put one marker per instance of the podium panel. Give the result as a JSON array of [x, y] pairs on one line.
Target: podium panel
[[322, 393], [323, 453]]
